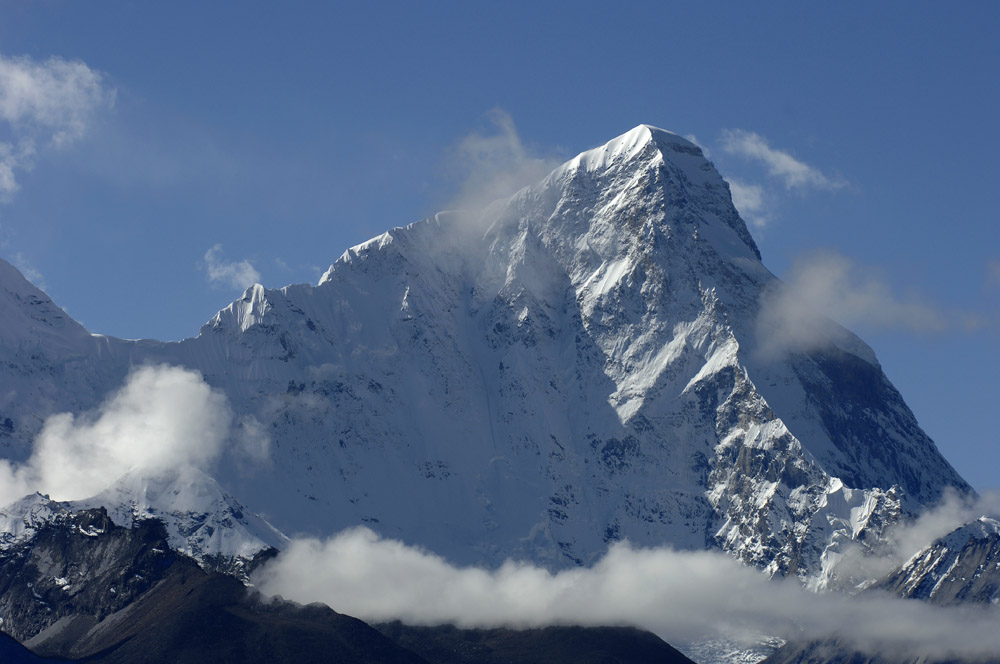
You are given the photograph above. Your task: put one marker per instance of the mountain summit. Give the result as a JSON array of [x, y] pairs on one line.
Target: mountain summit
[[573, 365]]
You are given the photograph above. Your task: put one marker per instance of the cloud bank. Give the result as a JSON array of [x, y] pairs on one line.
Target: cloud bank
[[163, 418], [793, 173], [42, 104], [236, 274], [681, 596], [794, 314]]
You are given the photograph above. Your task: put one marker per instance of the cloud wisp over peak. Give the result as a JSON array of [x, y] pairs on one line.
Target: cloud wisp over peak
[[223, 274], [494, 163]]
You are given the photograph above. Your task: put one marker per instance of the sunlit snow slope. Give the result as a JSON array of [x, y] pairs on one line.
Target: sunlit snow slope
[[574, 365]]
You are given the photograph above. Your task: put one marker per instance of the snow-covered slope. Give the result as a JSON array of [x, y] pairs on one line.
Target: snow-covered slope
[[961, 567], [573, 365], [46, 362]]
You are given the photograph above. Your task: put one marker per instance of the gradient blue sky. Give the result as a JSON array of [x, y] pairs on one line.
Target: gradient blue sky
[[286, 132]]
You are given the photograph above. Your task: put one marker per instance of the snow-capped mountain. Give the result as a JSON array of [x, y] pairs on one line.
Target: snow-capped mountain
[[961, 567], [50, 363], [576, 364], [200, 519]]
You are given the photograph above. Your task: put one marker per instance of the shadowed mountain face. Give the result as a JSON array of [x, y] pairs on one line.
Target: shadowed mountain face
[[91, 591], [87, 589], [963, 567], [577, 364], [12, 652], [553, 645]]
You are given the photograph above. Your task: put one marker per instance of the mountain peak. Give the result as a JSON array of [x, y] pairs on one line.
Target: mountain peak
[[29, 315], [641, 139], [648, 162], [571, 367], [665, 137], [980, 529]]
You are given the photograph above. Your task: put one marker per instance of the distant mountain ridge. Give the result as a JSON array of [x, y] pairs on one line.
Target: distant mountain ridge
[[963, 567], [960, 568], [200, 518], [571, 366]]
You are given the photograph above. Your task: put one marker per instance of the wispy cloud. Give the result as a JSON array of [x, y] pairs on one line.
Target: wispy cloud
[[681, 596], [163, 418], [236, 274], [45, 104], [794, 314], [909, 537], [495, 163], [751, 202], [782, 165]]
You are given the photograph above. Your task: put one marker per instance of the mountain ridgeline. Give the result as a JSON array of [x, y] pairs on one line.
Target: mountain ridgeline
[[89, 590], [576, 364]]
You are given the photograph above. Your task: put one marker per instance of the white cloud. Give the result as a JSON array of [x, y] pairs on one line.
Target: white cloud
[[782, 165], [14, 158], [908, 538], [163, 418], [45, 103], [495, 164], [238, 274], [750, 201], [681, 596], [794, 313]]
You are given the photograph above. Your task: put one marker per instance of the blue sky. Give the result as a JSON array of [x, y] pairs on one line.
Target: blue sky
[[174, 150]]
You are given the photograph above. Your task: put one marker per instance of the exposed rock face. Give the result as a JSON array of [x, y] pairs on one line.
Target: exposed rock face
[[84, 588], [962, 567], [60, 571], [574, 365], [201, 519]]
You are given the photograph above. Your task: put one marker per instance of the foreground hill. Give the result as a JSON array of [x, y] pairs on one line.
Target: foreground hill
[[85, 589]]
